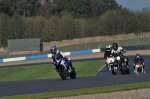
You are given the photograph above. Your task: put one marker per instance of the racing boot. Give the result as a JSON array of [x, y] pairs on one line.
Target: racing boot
[[55, 68], [143, 68]]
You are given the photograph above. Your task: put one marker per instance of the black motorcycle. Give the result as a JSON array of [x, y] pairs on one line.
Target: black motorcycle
[[120, 64], [121, 61]]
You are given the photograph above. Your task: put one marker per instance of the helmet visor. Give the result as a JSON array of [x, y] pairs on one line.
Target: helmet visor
[[52, 50], [115, 48], [108, 49]]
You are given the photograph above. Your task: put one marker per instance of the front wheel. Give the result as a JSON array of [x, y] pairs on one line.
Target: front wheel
[[62, 73], [122, 69], [113, 69], [127, 71]]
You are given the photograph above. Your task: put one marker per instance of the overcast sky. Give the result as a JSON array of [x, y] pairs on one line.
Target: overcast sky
[[134, 4]]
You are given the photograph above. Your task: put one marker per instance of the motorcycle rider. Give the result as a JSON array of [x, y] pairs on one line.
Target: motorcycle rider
[[116, 50], [138, 58], [107, 54], [57, 53]]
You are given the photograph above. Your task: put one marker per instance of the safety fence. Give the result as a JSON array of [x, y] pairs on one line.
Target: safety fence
[[128, 41], [48, 55]]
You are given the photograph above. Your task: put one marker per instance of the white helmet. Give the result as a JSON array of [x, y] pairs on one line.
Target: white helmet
[[108, 47]]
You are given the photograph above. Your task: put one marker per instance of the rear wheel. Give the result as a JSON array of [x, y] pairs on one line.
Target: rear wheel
[[73, 74], [139, 70]]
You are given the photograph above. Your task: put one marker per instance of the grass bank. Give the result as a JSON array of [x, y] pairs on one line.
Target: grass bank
[[46, 71]]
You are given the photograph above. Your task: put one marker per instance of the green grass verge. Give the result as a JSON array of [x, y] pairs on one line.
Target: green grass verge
[[95, 90], [45, 71]]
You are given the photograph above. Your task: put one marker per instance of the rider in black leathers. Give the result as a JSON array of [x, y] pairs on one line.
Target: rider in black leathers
[[138, 58], [107, 54]]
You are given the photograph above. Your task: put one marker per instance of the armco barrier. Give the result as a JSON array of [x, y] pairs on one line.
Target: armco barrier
[[14, 59], [36, 57], [48, 55], [1, 60], [80, 52]]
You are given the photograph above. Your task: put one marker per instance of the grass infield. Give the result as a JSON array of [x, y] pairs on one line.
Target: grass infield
[[46, 71]]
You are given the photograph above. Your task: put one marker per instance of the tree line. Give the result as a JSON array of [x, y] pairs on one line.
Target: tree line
[[56, 20]]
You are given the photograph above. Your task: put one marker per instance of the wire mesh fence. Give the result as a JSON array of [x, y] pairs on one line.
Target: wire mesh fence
[[89, 43]]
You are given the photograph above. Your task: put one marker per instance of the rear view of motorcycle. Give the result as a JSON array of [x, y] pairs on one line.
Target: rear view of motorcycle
[[139, 68]]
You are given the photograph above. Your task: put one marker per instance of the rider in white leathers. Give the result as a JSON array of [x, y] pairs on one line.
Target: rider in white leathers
[[116, 50]]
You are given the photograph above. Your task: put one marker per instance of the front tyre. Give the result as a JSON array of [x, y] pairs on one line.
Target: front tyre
[[122, 69], [127, 71], [114, 72], [62, 73]]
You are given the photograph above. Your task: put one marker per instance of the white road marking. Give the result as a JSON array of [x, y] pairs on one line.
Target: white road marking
[[99, 70]]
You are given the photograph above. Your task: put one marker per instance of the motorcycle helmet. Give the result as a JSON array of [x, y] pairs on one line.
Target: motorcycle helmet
[[108, 47], [138, 56], [53, 49], [137, 53], [115, 46]]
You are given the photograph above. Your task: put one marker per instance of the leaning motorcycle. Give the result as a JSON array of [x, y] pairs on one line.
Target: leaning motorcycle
[[63, 71], [139, 68]]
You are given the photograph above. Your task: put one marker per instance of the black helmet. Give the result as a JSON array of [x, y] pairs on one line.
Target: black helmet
[[115, 46]]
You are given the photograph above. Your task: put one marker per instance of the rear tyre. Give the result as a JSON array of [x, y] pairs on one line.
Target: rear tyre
[[139, 70], [73, 74], [127, 71]]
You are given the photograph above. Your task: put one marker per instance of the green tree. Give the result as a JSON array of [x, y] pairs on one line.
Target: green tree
[[67, 27], [21, 7], [76, 8], [47, 9], [4, 20], [34, 27], [16, 27], [8, 6], [99, 7]]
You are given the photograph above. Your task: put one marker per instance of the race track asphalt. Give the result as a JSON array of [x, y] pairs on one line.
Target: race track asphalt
[[103, 78]]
